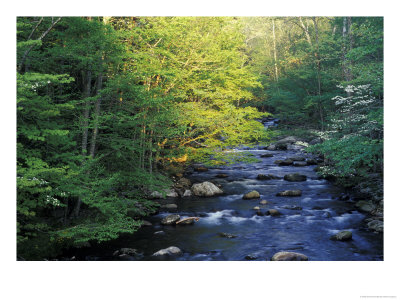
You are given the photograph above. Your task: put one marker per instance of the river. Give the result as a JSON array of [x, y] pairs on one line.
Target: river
[[305, 224]]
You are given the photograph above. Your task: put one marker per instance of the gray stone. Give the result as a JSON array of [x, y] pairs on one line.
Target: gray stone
[[170, 251], [289, 256], [251, 195], [206, 189], [365, 206], [376, 225], [170, 219], [263, 202], [295, 177], [273, 212], [187, 193], [267, 155], [297, 158], [342, 236]]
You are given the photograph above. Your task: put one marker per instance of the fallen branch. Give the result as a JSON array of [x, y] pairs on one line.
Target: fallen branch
[[186, 219]]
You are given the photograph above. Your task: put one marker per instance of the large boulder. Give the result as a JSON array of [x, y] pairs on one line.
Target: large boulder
[[295, 177], [289, 193], [170, 251], [206, 189], [342, 236], [271, 147], [170, 219], [365, 206], [289, 256], [251, 195], [288, 140]]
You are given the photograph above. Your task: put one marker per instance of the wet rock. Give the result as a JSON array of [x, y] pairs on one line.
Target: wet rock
[[311, 161], [227, 235], [267, 155], [299, 164], [170, 251], [170, 219], [271, 147], [287, 140], [263, 202], [187, 221], [292, 207], [342, 236], [187, 193], [297, 158], [273, 212], [146, 223], [251, 195], [159, 232], [286, 162], [206, 189], [295, 177], [317, 208], [289, 256], [256, 208], [365, 206], [221, 175], [259, 213], [289, 193], [376, 225], [201, 169], [267, 177], [170, 206]]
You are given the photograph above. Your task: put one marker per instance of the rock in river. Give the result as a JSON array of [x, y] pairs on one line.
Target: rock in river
[[206, 189], [289, 193], [187, 193], [251, 195], [170, 251], [298, 158], [376, 225], [300, 164], [286, 162], [263, 202], [267, 155], [288, 256], [295, 177], [201, 169], [273, 212], [266, 177], [342, 236], [365, 206], [227, 235], [170, 219], [221, 175], [170, 206]]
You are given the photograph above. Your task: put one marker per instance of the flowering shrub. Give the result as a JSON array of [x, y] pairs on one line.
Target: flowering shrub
[[353, 145]]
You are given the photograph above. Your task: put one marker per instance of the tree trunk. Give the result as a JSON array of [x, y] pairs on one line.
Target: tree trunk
[[96, 115], [275, 56]]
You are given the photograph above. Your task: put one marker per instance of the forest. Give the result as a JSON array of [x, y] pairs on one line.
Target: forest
[[112, 112]]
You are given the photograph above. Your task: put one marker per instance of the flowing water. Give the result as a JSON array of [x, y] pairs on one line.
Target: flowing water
[[306, 230]]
